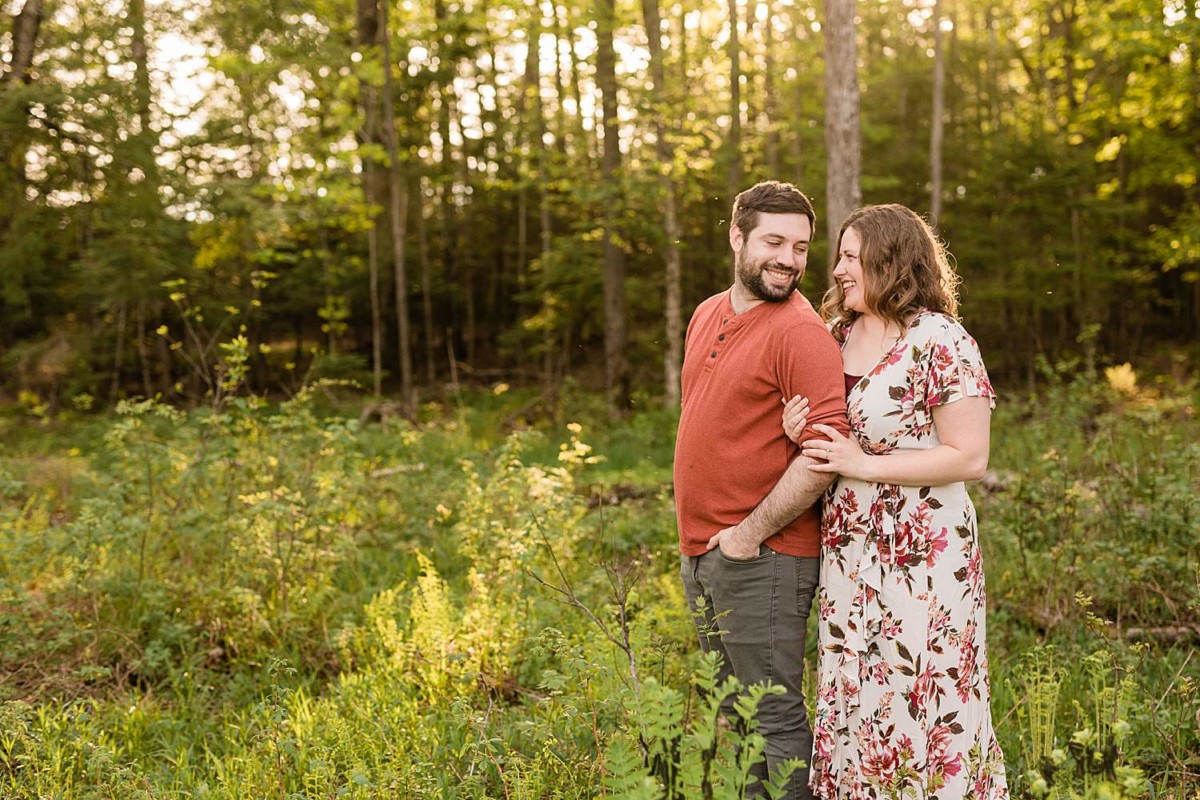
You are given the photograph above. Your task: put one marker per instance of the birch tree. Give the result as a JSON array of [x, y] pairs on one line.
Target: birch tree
[[843, 136]]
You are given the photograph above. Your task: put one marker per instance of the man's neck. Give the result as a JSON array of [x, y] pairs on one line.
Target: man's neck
[[742, 299]]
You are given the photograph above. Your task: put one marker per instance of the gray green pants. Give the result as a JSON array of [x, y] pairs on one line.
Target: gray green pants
[[755, 614]]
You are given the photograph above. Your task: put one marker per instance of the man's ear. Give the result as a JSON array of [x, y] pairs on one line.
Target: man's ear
[[735, 238]]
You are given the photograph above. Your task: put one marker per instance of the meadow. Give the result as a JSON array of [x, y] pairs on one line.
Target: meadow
[[304, 599]]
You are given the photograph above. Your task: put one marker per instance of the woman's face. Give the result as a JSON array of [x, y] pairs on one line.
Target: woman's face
[[849, 272]]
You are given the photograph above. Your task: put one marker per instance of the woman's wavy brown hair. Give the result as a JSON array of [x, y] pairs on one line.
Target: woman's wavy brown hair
[[905, 268]]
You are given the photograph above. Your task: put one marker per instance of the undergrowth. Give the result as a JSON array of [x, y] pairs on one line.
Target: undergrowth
[[268, 601]]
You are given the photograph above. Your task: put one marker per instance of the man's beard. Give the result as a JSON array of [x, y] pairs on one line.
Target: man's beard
[[751, 276]]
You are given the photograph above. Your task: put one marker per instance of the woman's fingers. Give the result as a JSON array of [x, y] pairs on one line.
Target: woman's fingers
[[817, 448], [797, 401], [832, 433], [795, 412]]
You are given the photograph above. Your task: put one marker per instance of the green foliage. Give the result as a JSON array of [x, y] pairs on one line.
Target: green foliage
[[1090, 764], [263, 600], [1112, 459], [1070, 192]]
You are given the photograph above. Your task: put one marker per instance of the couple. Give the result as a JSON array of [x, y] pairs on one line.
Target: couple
[[892, 412]]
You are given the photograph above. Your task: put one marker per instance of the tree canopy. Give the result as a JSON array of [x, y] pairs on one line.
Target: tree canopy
[[176, 174]]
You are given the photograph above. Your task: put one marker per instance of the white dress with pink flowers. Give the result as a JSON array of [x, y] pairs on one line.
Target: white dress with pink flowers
[[902, 683]]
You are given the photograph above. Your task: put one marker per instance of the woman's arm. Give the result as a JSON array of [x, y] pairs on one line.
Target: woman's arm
[[963, 428]]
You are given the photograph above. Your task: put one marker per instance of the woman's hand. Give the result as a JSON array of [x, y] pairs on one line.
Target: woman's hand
[[840, 454], [795, 414]]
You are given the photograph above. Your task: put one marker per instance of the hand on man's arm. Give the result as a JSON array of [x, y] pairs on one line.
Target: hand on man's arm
[[795, 492]]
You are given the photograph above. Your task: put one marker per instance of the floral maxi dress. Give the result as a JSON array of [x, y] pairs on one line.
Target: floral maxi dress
[[902, 684]]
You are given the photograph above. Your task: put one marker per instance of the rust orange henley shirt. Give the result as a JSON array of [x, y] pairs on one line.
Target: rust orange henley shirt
[[731, 449]]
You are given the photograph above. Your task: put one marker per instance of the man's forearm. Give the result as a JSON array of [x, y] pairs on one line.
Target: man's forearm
[[795, 492]]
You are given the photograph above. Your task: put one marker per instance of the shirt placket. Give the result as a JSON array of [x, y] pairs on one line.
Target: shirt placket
[[730, 323]]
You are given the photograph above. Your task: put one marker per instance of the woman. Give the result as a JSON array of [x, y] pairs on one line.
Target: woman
[[902, 692]]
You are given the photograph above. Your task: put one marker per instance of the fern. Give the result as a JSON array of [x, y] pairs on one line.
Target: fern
[[628, 777], [660, 720]]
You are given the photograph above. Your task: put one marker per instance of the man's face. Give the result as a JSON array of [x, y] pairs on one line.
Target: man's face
[[770, 260]]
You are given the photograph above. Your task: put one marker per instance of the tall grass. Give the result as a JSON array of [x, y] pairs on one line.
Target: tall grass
[[275, 602]]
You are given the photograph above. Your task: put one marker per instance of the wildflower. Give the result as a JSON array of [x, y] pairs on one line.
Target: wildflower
[[1122, 379]]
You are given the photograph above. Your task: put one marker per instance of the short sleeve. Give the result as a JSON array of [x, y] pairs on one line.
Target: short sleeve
[[955, 367], [809, 363]]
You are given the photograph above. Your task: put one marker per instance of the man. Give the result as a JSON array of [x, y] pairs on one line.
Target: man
[[745, 498]]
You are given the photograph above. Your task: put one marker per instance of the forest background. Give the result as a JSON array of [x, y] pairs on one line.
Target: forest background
[[561, 182], [309, 487]]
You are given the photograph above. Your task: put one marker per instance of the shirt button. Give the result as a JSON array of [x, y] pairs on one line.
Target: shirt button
[[721, 338], [714, 353]]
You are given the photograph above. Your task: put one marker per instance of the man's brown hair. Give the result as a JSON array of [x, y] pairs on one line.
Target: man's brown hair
[[770, 197]]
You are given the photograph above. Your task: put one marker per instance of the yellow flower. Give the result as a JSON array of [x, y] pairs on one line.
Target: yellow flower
[[1122, 379], [500, 388], [161, 330]]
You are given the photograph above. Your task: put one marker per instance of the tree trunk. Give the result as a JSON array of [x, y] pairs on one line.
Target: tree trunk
[[25, 27], [118, 355], [13, 178], [466, 266], [376, 301], [665, 154], [560, 88], [541, 160], [456, 268], [616, 372], [137, 21], [398, 216], [993, 47], [530, 140], [426, 287], [143, 351], [799, 100], [368, 37], [843, 136], [939, 111], [1194, 74], [584, 145], [734, 175], [771, 150]]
